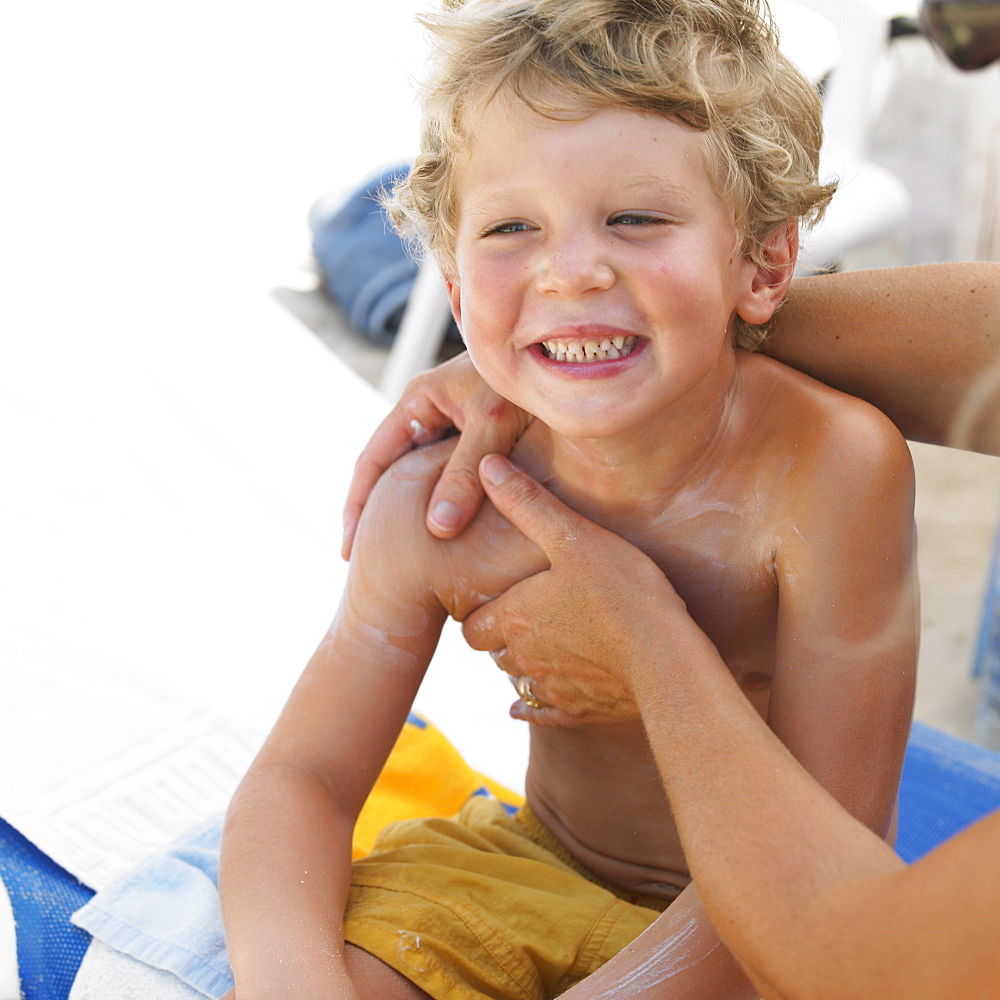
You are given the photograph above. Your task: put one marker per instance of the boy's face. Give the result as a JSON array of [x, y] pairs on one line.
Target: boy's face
[[598, 230]]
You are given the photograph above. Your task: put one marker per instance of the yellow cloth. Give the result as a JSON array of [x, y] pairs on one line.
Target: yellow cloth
[[424, 776], [486, 904]]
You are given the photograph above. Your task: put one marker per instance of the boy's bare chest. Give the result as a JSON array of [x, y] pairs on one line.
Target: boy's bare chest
[[719, 557], [721, 562]]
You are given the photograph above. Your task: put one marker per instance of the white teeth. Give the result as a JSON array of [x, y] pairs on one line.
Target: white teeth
[[589, 350]]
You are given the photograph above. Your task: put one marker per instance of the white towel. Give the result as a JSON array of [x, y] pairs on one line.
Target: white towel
[[107, 974], [165, 914]]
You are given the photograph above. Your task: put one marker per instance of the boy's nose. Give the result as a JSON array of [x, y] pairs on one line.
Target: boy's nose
[[573, 267]]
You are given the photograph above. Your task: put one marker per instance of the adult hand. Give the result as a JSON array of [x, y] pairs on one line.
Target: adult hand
[[451, 396], [575, 628]]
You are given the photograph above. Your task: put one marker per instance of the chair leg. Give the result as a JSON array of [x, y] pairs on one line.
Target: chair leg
[[421, 333]]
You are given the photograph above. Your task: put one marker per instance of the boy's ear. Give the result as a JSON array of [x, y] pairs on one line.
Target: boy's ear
[[769, 281], [454, 291]]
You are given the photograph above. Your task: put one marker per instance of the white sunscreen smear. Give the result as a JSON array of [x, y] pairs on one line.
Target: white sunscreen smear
[[667, 960]]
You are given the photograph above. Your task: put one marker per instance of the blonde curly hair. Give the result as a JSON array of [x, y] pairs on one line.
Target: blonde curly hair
[[714, 65]]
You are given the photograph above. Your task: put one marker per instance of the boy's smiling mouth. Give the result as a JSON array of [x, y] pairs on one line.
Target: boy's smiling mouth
[[589, 349]]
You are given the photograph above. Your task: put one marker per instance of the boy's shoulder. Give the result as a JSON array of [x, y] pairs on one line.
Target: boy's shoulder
[[393, 517], [806, 414], [399, 498], [418, 468], [833, 445]]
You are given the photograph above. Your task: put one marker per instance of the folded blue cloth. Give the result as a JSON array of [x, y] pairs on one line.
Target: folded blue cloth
[[166, 912], [365, 265]]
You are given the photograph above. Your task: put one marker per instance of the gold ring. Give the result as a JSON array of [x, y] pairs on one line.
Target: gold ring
[[527, 695]]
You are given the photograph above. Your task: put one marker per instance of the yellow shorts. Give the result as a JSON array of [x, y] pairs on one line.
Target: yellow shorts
[[488, 905]]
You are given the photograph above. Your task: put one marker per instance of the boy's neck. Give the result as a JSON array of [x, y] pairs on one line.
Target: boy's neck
[[642, 468]]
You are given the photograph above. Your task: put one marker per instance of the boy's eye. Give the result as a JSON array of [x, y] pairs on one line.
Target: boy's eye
[[506, 227], [637, 219]]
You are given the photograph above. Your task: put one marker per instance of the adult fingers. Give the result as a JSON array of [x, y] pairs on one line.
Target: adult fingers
[[544, 713], [547, 715], [494, 426], [531, 508], [482, 630], [415, 420]]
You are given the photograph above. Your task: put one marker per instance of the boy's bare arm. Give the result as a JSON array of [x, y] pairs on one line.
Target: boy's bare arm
[[847, 635], [286, 857]]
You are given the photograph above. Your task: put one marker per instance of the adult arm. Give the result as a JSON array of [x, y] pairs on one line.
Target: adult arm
[[811, 902], [920, 343]]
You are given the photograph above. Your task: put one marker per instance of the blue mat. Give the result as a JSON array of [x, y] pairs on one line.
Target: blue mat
[[947, 785], [42, 896]]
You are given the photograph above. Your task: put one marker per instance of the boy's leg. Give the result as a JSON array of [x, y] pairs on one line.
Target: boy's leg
[[374, 980]]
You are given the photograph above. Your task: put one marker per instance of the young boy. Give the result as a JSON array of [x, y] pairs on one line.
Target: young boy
[[612, 191]]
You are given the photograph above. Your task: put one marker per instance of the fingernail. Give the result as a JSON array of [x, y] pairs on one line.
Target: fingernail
[[347, 538], [446, 514], [496, 469]]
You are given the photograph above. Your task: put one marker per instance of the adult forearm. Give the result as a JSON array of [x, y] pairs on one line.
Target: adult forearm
[[920, 343], [284, 877], [770, 850]]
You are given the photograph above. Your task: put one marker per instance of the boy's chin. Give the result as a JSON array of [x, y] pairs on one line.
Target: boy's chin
[[585, 423]]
